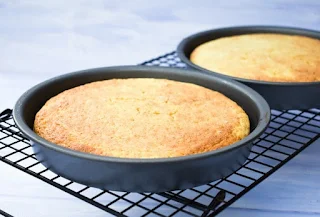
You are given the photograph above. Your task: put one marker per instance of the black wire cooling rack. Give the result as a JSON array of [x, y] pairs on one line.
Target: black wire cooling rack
[[287, 135]]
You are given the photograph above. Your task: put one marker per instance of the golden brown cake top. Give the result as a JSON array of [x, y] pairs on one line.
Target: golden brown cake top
[[266, 57], [141, 118]]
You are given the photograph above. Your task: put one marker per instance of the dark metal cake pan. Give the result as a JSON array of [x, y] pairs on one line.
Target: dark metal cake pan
[[141, 175], [279, 95]]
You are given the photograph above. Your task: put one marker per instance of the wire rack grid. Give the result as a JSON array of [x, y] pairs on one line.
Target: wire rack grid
[[287, 135]]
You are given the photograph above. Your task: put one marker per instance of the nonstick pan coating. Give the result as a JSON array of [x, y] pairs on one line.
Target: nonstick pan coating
[[141, 175], [279, 95]]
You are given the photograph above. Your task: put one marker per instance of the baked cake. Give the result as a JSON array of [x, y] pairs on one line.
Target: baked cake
[[265, 57], [141, 118]]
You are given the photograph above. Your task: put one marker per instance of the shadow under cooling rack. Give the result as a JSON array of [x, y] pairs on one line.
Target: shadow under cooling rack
[[287, 135]]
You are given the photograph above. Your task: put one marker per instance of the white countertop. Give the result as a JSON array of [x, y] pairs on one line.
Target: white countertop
[[41, 39]]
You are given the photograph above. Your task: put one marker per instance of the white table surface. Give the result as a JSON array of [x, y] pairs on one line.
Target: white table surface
[[41, 39]]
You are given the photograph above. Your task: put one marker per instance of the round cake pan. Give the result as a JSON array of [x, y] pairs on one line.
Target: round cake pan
[[141, 175], [279, 95]]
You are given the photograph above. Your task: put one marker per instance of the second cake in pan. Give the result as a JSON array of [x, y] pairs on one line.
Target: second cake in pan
[[262, 56]]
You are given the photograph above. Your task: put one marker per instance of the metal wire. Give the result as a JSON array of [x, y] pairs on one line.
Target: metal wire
[[287, 135], [3, 213]]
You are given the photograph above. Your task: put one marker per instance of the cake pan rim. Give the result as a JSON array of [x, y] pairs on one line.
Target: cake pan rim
[[263, 108], [280, 29]]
